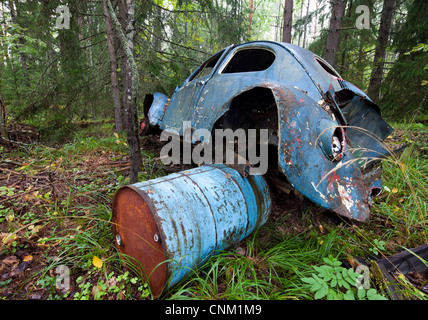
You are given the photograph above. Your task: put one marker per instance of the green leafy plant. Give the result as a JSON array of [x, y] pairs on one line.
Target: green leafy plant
[[7, 191], [97, 285], [85, 289], [4, 213], [331, 280], [379, 245], [47, 282]]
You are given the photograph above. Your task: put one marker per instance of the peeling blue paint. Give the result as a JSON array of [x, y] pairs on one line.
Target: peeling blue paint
[[202, 211], [317, 111]]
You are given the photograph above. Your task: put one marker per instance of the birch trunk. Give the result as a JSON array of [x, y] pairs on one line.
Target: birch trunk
[[132, 84]]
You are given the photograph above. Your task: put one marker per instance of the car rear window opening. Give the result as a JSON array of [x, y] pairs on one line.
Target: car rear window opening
[[326, 67], [248, 60]]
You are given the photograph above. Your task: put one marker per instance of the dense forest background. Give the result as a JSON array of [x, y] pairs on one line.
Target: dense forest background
[[63, 62]]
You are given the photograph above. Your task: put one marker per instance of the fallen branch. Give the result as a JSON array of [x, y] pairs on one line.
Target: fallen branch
[[11, 171], [12, 162], [16, 142]]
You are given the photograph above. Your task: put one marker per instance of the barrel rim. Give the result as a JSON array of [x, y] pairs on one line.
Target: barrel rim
[[152, 208], [259, 182]]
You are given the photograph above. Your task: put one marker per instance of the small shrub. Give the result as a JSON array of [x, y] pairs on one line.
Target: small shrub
[[331, 281]]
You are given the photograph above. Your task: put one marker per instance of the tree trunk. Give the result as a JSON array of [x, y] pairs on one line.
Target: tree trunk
[[316, 20], [360, 60], [306, 24], [334, 31], [301, 16], [157, 29], [279, 24], [21, 43], [380, 52], [342, 67], [132, 83], [288, 21], [3, 131], [113, 71], [123, 59]]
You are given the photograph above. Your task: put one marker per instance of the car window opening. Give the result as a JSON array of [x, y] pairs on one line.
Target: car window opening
[[327, 67], [249, 60], [206, 68]]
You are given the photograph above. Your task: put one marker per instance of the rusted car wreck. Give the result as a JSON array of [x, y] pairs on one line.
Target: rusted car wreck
[[327, 132], [324, 139]]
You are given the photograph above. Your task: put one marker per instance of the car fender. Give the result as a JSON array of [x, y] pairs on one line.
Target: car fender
[[154, 107], [338, 184], [303, 125]]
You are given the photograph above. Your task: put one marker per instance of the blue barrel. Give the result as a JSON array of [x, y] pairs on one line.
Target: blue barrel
[[168, 226]]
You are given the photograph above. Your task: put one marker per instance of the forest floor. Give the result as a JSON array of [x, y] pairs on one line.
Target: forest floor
[[55, 215]]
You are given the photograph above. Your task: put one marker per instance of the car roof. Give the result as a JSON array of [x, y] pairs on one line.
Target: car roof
[[302, 55]]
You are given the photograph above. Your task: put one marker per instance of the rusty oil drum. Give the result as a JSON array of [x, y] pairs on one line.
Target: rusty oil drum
[[170, 225]]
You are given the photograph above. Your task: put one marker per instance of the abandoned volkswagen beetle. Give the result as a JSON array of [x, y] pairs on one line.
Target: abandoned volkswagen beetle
[[327, 134]]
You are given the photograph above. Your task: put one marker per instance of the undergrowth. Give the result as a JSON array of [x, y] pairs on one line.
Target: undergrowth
[[55, 214]]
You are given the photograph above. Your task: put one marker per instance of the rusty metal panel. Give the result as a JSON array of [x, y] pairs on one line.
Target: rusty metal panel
[[134, 228], [367, 130], [170, 225], [337, 183]]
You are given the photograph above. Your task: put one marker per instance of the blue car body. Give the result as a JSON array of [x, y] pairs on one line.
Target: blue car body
[[306, 106]]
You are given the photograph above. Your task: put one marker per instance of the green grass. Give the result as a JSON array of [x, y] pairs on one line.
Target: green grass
[[405, 197], [71, 224], [404, 202], [66, 220], [271, 274]]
